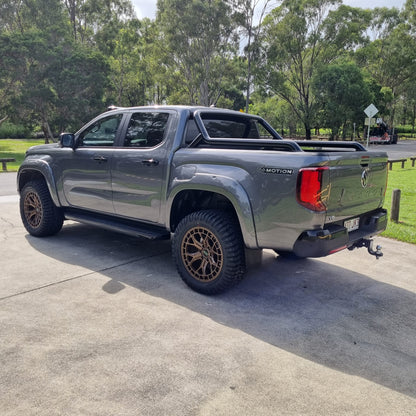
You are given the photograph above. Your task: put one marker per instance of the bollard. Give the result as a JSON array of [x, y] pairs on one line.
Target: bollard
[[395, 205]]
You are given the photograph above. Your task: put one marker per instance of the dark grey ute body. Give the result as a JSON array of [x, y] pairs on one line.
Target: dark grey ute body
[[142, 170]]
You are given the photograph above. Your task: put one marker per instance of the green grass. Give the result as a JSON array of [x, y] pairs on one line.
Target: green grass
[[16, 148], [405, 180]]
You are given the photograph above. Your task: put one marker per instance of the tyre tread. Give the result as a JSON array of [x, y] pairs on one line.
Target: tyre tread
[[226, 226], [52, 220]]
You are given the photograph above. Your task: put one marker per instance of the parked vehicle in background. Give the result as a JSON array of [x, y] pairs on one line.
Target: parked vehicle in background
[[382, 134]]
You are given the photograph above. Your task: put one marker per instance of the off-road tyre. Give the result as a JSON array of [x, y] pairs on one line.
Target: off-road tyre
[[39, 214], [208, 250]]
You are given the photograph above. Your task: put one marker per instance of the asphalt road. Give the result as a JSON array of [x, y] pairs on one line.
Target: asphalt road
[[403, 149], [97, 323]]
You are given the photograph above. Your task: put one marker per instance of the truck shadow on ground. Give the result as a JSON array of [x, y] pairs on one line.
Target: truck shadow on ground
[[327, 314]]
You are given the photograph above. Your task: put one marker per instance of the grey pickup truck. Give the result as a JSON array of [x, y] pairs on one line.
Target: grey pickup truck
[[217, 182]]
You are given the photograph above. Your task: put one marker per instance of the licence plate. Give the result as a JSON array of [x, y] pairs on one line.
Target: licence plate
[[352, 224]]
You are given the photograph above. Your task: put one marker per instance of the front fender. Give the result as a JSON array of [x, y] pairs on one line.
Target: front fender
[[193, 179], [35, 168]]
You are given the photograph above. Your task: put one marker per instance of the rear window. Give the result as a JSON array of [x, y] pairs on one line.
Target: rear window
[[225, 127]]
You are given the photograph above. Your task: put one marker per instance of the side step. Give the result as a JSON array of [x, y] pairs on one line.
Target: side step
[[132, 228]]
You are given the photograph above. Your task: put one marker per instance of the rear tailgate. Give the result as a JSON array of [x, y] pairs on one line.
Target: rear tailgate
[[353, 195], [357, 184]]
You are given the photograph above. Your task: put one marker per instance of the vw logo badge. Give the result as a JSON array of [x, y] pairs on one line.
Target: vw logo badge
[[364, 178]]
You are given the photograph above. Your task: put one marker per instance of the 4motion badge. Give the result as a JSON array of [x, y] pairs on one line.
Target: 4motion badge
[[277, 171]]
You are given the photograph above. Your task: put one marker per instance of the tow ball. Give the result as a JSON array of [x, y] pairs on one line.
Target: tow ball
[[369, 244]]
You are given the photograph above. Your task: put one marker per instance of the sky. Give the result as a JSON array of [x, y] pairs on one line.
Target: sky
[[147, 8]]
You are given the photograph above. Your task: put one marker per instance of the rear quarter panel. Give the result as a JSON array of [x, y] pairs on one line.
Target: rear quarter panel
[[265, 181]]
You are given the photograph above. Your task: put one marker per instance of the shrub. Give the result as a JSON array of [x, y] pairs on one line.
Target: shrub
[[13, 131], [403, 129]]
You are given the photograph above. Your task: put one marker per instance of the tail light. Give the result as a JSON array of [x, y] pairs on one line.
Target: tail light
[[309, 188]]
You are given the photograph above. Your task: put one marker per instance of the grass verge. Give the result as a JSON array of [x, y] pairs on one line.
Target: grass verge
[[16, 148], [405, 229]]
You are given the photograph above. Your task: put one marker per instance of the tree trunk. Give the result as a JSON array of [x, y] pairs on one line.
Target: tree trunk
[[204, 94], [248, 81], [292, 128], [47, 132], [344, 131], [308, 132]]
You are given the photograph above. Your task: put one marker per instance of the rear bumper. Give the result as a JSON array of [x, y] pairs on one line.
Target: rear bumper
[[335, 237]]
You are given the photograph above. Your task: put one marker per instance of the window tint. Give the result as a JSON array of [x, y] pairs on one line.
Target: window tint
[[235, 128], [146, 129], [102, 133], [225, 128]]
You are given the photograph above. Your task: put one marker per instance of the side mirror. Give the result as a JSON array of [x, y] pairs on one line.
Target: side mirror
[[67, 140]]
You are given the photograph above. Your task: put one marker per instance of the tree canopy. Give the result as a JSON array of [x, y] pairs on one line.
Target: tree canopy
[[303, 64]]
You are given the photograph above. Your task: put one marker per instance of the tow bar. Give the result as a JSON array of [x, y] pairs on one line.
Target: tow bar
[[369, 244]]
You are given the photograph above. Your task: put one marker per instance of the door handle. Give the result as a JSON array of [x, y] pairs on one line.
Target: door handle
[[150, 162], [100, 158]]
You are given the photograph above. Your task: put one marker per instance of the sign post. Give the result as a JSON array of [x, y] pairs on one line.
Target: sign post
[[370, 112]]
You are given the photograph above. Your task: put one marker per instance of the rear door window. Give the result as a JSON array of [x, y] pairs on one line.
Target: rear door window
[[146, 129]]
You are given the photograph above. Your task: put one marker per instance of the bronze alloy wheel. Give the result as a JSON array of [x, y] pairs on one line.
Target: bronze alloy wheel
[[40, 216], [202, 254], [33, 209], [208, 249]]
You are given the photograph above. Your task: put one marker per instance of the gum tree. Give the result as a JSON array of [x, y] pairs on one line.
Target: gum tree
[[342, 93], [299, 37], [198, 41]]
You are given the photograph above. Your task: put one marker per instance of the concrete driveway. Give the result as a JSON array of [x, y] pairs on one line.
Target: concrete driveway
[[97, 323]]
